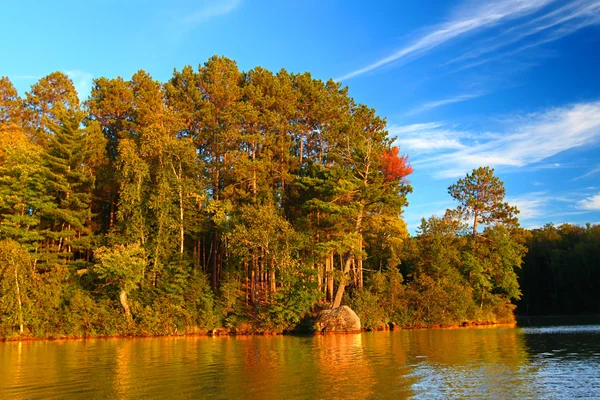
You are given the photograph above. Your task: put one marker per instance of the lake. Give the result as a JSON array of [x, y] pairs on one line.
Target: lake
[[539, 362]]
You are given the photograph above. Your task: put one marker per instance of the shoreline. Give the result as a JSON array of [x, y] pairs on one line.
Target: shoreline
[[219, 333]]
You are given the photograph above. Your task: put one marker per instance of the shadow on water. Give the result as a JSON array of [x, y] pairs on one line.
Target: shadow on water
[[564, 359], [549, 320]]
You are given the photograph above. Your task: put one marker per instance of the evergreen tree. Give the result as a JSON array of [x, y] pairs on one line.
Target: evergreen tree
[[493, 255], [46, 102], [481, 197], [70, 182]]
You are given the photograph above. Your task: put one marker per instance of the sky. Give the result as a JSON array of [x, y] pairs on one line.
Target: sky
[[513, 84]]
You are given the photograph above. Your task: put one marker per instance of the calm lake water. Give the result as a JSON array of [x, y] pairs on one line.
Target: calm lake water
[[546, 362]]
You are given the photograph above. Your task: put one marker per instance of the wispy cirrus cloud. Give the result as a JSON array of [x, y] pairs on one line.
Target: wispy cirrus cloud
[[529, 140], [485, 15], [532, 24], [210, 9], [588, 174], [450, 100], [551, 26]]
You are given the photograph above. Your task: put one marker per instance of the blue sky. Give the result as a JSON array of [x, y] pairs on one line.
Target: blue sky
[[514, 84]]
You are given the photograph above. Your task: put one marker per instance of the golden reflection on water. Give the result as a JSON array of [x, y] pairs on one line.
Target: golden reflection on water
[[409, 363]]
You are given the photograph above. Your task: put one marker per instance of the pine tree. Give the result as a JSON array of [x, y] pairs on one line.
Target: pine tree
[[70, 181], [45, 102], [494, 254]]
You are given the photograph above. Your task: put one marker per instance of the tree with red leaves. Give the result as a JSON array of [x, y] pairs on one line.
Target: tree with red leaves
[[395, 166]]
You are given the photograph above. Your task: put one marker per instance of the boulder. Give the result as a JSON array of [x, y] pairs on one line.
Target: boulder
[[341, 319]]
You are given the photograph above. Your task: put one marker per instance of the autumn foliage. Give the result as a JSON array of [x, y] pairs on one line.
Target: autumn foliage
[[395, 166]]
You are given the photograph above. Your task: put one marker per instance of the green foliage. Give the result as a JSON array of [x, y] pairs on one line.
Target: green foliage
[[229, 304], [367, 306], [286, 307], [120, 265], [481, 197], [228, 198], [17, 284], [383, 300], [439, 302], [23, 192]]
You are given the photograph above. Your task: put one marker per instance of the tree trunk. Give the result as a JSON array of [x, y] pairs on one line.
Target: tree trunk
[[253, 283], [360, 261], [247, 281], [181, 214], [342, 286], [320, 276], [124, 302], [349, 260], [273, 287], [329, 275], [301, 148], [19, 299], [213, 258], [254, 190]]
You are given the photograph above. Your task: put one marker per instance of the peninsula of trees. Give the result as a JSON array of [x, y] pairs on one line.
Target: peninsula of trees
[[222, 198]]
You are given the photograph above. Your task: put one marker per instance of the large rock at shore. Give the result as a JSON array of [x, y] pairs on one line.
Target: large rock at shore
[[341, 319]]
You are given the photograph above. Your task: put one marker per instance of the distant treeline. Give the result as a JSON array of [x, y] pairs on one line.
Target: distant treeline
[[222, 198], [561, 271]]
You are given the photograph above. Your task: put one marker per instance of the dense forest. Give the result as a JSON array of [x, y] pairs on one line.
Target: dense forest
[[245, 202], [561, 271]]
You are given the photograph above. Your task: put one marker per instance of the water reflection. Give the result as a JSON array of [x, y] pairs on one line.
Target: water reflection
[[496, 362]]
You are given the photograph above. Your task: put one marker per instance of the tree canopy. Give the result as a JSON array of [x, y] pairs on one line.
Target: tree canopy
[[225, 198]]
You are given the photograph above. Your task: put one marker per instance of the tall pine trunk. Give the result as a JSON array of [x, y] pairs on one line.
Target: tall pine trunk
[[20, 304]]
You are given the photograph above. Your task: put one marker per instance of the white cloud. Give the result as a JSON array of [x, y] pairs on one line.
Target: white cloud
[[531, 139], [588, 174], [427, 138], [552, 21], [82, 81], [211, 9], [486, 14], [551, 26], [591, 203], [439, 103], [530, 205], [538, 208]]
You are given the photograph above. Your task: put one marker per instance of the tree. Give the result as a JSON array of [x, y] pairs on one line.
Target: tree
[[70, 181], [489, 263], [46, 101], [277, 183], [24, 193], [481, 197], [16, 280], [11, 105], [121, 266], [111, 105]]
